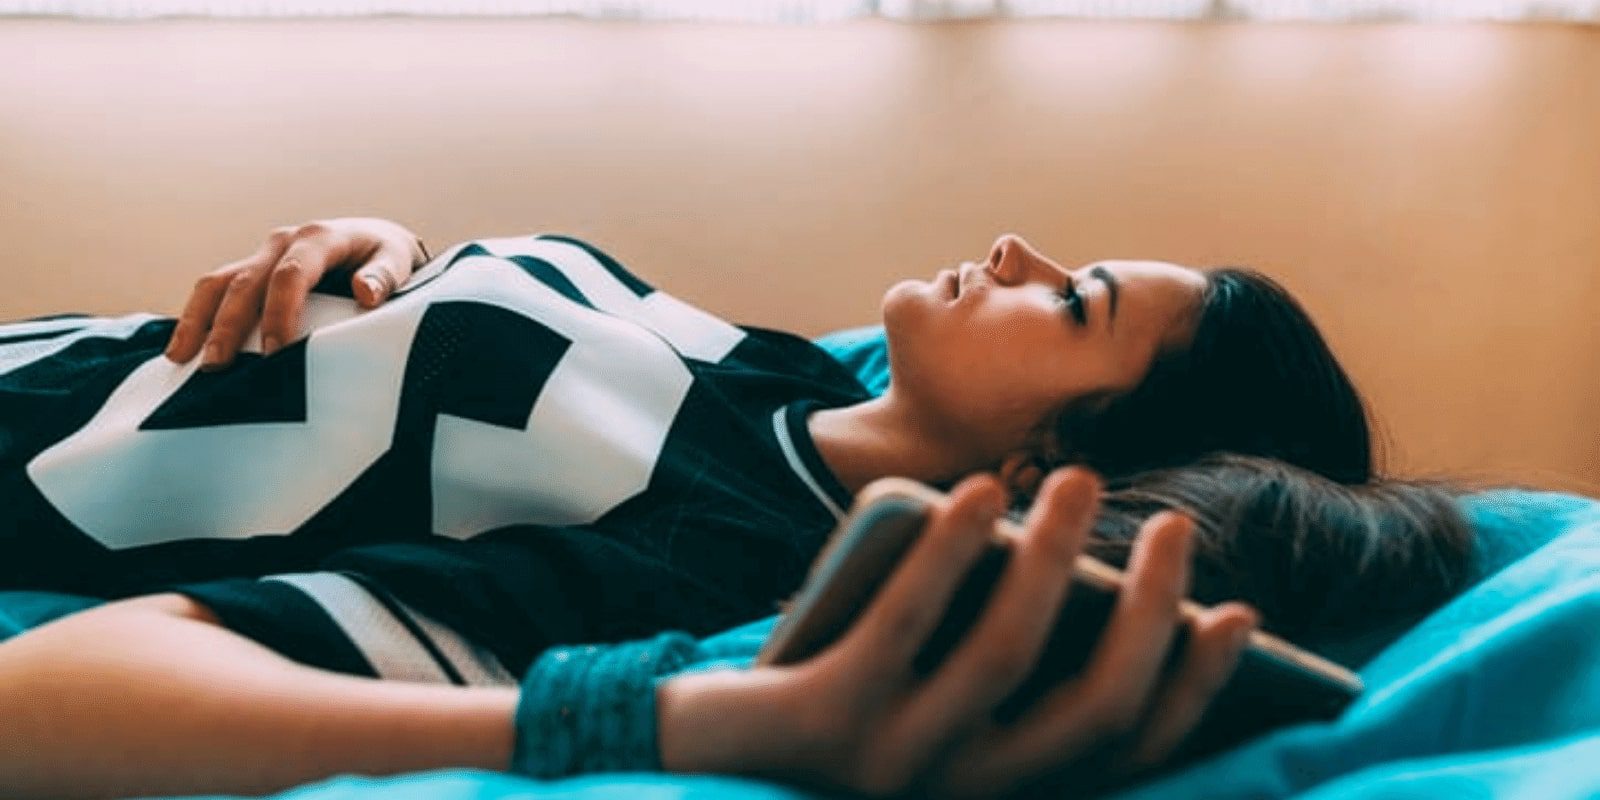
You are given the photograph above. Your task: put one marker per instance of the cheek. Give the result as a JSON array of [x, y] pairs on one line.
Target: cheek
[[1051, 371], [1001, 359], [962, 376], [1109, 375], [1020, 378]]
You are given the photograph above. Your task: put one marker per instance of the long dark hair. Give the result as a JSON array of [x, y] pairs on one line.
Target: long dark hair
[[1318, 559], [1257, 379]]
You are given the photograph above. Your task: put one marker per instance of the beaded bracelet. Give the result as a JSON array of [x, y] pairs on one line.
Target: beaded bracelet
[[592, 708]]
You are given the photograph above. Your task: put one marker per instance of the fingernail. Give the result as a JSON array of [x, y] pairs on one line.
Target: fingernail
[[377, 285], [213, 355], [269, 345]]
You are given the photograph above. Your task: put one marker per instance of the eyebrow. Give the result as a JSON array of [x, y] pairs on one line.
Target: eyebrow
[[1111, 286]]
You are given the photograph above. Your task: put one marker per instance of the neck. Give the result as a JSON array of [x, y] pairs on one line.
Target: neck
[[883, 436]]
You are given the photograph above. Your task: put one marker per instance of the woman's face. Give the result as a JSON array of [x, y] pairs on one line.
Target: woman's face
[[991, 351]]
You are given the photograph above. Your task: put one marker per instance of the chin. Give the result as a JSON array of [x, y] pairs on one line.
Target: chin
[[908, 290], [910, 296], [902, 308], [904, 314]]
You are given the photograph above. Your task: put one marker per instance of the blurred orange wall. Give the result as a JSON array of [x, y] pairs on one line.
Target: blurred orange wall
[[1433, 193]]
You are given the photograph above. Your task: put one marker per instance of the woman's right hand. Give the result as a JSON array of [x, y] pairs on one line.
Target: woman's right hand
[[857, 718], [270, 286]]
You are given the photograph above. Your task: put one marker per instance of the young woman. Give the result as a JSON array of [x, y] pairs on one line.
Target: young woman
[[524, 445]]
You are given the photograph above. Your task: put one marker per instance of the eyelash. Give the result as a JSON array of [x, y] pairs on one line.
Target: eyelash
[[1074, 303]]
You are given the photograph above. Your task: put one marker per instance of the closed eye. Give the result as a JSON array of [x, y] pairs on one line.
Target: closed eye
[[1075, 306]]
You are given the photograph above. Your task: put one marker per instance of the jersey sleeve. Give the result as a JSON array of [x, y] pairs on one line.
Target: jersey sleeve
[[569, 616], [474, 612], [582, 708]]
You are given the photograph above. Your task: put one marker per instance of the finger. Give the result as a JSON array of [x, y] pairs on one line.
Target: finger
[[199, 313], [1105, 701], [1003, 647], [236, 315], [907, 609], [1218, 637], [315, 250], [1144, 619], [195, 320], [380, 276]]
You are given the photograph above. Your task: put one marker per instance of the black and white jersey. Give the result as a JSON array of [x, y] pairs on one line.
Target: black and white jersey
[[526, 445]]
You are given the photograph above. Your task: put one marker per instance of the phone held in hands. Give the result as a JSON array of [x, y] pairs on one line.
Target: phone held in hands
[[1274, 684]]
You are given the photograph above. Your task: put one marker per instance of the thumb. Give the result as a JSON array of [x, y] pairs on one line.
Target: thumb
[[376, 280]]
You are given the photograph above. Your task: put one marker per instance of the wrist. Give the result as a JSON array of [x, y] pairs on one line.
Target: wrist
[[721, 721]]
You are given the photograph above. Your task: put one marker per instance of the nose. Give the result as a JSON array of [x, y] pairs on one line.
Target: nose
[[1013, 260]]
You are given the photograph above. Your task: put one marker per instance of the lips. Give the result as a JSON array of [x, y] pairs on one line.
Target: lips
[[971, 275]]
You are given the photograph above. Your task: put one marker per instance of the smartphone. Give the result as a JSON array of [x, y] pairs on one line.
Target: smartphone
[[1274, 684]]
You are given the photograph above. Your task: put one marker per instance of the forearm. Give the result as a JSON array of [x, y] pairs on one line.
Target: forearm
[[136, 699]]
